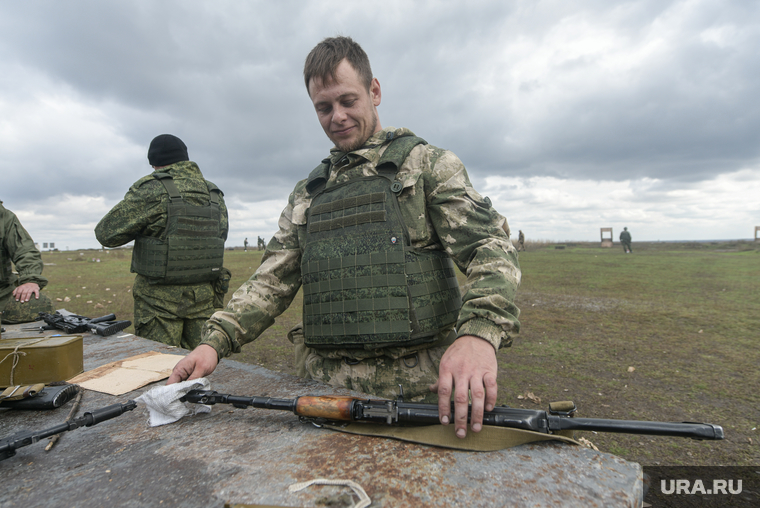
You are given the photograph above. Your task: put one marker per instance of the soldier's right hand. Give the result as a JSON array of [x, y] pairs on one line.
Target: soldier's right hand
[[24, 292], [199, 363]]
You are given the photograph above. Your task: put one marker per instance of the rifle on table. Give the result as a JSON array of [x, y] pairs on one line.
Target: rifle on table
[[72, 323], [322, 409], [9, 445]]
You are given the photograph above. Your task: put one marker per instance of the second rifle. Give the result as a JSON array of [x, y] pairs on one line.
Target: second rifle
[[72, 323]]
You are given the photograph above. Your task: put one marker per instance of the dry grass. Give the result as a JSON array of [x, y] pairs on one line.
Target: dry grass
[[683, 316]]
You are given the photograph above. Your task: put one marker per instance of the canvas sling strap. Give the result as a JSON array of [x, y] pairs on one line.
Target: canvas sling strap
[[19, 392], [489, 439]]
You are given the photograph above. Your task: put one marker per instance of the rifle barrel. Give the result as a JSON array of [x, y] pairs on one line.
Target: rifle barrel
[[211, 398], [684, 429], [107, 317], [8, 446]]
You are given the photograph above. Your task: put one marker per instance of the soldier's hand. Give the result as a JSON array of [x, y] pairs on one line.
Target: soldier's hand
[[199, 363], [24, 292], [468, 367]]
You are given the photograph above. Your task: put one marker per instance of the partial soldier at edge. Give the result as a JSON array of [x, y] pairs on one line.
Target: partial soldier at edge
[[20, 293]]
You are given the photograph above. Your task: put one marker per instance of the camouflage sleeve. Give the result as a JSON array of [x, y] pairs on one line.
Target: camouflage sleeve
[[139, 213], [25, 256], [268, 292], [224, 223], [477, 238]]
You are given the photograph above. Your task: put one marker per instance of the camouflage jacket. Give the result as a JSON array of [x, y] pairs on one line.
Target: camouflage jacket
[[17, 247], [143, 210], [441, 210]]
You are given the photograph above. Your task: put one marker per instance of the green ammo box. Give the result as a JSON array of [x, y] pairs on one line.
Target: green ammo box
[[40, 359]]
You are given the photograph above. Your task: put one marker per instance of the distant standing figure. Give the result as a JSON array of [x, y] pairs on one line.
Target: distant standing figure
[[521, 241], [245, 245], [262, 244], [625, 239], [178, 221]]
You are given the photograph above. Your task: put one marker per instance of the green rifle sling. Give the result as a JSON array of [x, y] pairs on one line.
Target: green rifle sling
[[489, 439]]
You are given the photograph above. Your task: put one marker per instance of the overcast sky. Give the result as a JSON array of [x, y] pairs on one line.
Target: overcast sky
[[570, 115]]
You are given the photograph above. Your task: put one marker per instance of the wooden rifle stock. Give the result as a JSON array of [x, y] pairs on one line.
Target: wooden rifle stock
[[327, 407]]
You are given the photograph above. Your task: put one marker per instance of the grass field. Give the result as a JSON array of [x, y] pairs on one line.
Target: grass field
[[669, 333]]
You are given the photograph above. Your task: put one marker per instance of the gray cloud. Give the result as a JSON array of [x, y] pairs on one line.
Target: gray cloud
[[583, 90]]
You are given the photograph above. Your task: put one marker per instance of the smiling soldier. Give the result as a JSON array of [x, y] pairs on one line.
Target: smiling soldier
[[374, 236]]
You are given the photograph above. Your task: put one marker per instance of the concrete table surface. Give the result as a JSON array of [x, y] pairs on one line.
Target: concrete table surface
[[251, 456]]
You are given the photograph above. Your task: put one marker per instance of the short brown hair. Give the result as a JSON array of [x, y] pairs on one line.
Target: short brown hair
[[324, 59]]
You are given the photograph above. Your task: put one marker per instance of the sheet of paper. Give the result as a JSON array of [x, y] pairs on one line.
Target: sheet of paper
[[118, 378]]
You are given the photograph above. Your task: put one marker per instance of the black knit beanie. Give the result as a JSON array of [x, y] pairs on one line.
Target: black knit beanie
[[166, 149]]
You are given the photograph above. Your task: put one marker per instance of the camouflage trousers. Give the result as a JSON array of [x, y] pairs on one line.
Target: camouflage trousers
[[172, 314], [379, 376], [12, 312]]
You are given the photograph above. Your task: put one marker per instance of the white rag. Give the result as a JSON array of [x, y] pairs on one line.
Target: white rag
[[164, 405]]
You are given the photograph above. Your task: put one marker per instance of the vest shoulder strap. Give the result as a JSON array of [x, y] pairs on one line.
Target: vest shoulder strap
[[397, 152], [318, 177], [214, 192], [391, 160], [168, 182]]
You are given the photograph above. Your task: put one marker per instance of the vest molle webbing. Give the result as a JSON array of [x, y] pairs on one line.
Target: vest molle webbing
[[191, 249], [5, 267], [364, 285]]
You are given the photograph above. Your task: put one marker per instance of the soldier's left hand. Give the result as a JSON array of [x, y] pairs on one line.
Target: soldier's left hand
[[468, 367], [24, 292]]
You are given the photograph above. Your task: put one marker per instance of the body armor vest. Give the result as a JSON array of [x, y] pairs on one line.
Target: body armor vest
[[364, 285], [191, 248], [5, 268], [6, 271]]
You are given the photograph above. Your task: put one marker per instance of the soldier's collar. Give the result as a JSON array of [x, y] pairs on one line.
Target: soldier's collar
[[370, 151], [180, 167]]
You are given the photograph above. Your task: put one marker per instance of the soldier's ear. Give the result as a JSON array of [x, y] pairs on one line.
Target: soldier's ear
[[374, 92]]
